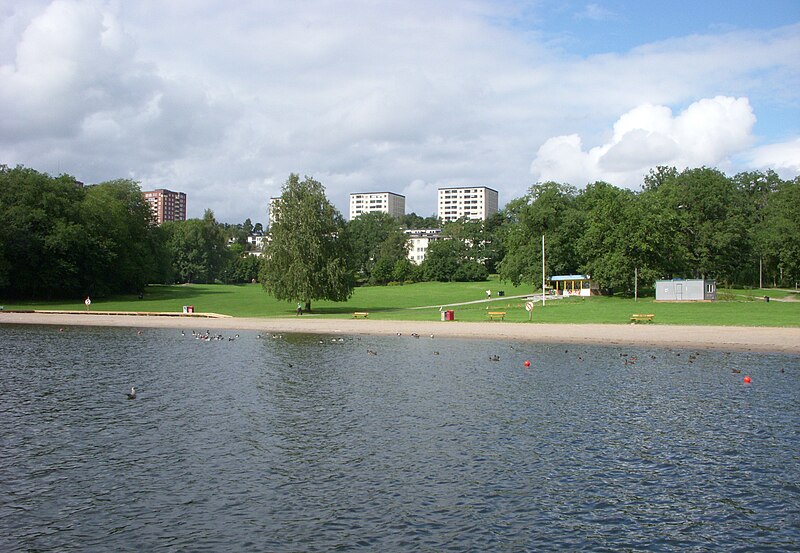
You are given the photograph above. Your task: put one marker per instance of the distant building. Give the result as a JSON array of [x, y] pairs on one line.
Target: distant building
[[475, 203], [256, 240], [679, 289], [419, 240], [274, 206], [382, 202], [166, 205]]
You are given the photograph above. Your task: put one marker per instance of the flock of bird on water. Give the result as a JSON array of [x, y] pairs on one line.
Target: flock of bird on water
[[208, 337]]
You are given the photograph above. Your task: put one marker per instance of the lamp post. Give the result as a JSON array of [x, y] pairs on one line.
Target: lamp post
[[543, 270]]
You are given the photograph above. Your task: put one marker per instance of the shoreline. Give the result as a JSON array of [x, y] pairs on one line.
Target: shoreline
[[735, 338]]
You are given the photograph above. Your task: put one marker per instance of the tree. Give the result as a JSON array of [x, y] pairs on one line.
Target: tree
[[443, 259], [414, 222], [781, 234], [121, 252], [760, 189], [41, 220], [64, 240], [372, 235], [393, 249], [708, 216], [241, 267], [450, 259], [548, 209], [199, 254], [481, 237], [309, 257], [605, 243], [403, 270]]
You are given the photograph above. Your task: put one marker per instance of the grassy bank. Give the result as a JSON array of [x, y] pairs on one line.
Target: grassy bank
[[422, 301]]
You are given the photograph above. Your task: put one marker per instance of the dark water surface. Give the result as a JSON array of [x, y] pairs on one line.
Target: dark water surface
[[301, 443]]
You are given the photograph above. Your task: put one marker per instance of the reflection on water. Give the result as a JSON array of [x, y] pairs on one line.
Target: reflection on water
[[309, 443]]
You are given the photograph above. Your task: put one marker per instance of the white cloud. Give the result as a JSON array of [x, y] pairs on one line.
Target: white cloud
[[783, 158], [708, 132], [224, 103]]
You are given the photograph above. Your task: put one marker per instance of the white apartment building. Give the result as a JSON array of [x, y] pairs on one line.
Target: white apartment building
[[418, 241], [385, 202], [273, 210], [474, 202]]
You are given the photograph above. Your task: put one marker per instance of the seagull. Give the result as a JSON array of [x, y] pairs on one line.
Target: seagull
[[132, 393]]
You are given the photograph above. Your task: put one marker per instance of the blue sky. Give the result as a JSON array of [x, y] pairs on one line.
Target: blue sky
[[592, 28], [617, 26], [223, 103]]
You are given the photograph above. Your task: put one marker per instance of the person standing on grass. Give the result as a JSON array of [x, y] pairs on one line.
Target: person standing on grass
[[488, 294], [299, 309]]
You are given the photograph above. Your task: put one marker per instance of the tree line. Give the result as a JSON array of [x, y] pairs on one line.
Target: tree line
[[61, 239], [743, 230]]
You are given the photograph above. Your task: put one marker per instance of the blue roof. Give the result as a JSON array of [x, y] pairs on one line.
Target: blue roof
[[570, 277]]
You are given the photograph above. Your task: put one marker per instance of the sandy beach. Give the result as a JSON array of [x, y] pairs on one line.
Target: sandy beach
[[781, 340]]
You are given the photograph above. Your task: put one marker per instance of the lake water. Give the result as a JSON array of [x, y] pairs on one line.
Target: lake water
[[310, 443]]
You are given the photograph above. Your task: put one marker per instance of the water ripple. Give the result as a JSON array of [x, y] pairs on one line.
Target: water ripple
[[309, 443]]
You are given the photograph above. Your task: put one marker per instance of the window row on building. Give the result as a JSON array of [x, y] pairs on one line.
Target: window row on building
[[166, 205], [454, 203]]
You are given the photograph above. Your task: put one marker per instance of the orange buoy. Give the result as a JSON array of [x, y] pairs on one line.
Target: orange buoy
[[527, 363], [747, 380]]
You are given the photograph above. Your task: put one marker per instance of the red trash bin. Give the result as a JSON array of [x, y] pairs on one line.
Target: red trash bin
[[449, 315]]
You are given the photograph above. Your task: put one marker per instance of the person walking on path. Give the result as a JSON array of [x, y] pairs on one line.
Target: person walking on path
[[299, 309]]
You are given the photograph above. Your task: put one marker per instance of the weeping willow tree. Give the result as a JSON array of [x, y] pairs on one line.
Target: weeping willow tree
[[308, 257]]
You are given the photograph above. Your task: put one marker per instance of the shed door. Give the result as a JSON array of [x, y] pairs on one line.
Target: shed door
[[678, 291]]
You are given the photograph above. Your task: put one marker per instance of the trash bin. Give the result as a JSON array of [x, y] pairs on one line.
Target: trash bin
[[501, 293], [444, 313], [185, 308], [191, 308], [449, 315], [766, 299]]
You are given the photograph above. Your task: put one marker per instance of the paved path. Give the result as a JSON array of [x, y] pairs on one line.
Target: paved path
[[528, 297]]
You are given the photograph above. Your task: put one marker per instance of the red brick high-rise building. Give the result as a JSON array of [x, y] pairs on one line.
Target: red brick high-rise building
[[166, 205]]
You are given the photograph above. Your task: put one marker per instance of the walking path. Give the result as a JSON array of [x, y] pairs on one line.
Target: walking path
[[781, 340], [527, 297]]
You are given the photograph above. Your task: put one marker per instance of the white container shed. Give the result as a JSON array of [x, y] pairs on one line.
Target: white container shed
[[679, 289]]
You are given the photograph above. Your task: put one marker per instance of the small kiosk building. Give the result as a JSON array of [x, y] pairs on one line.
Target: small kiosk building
[[573, 285]]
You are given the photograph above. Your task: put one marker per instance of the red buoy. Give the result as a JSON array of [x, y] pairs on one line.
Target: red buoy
[[527, 363], [747, 380]]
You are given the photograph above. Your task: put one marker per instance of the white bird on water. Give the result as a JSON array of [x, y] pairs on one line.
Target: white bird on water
[[132, 393]]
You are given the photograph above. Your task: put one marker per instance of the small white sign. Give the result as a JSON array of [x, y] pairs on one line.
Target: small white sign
[[529, 306]]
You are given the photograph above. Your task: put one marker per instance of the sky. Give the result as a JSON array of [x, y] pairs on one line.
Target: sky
[[224, 100]]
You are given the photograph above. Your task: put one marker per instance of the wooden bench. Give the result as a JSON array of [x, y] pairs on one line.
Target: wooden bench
[[494, 315], [360, 314], [642, 317]]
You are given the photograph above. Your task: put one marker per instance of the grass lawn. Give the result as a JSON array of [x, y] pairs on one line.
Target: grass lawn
[[408, 302]]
